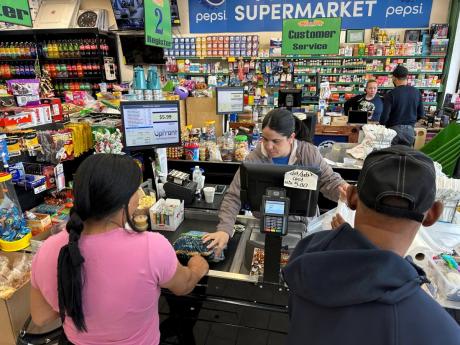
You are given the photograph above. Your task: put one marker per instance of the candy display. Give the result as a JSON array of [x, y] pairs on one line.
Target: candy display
[[241, 147], [13, 226], [13, 274], [108, 142]]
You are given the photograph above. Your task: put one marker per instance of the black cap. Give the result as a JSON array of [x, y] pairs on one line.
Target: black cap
[[399, 172], [400, 72]]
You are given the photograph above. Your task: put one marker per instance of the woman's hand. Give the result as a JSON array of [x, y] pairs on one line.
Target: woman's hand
[[337, 221], [343, 188], [219, 240]]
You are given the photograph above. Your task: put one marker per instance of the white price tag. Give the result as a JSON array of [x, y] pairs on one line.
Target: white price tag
[[40, 189], [301, 179]]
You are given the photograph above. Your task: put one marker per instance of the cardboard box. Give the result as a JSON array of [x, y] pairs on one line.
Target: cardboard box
[[339, 120], [57, 112], [15, 309], [15, 116], [162, 222], [42, 114], [40, 224]]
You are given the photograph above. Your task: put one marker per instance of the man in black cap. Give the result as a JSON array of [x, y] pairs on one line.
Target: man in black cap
[[402, 108], [352, 286]]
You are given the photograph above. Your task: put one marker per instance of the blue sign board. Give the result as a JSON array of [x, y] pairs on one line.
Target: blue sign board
[[208, 16]]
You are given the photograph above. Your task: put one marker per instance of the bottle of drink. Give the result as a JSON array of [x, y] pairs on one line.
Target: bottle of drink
[[82, 48], [197, 178], [88, 48], [93, 47]]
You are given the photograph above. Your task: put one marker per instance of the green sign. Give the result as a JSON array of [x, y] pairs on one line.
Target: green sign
[[318, 36], [158, 23], [16, 12]]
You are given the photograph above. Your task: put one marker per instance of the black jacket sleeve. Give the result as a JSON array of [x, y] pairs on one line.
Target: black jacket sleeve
[[351, 104], [420, 108], [387, 103]]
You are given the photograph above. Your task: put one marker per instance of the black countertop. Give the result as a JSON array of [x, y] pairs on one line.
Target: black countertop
[[202, 204]]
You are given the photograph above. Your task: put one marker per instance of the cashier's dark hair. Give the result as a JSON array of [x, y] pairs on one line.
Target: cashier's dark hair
[[285, 123], [103, 185]]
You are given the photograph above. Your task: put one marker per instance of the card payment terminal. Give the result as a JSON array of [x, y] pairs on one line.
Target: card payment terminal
[[275, 212]]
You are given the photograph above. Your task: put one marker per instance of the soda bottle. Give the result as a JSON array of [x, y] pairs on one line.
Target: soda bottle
[[94, 48], [87, 48], [79, 70], [82, 48]]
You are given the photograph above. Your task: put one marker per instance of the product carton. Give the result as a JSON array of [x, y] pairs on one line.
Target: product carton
[[15, 309], [169, 220]]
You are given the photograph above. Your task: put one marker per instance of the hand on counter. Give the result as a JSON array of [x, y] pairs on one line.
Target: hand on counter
[[219, 240], [337, 221]]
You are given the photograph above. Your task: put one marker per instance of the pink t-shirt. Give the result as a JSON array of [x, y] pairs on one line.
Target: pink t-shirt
[[123, 272]]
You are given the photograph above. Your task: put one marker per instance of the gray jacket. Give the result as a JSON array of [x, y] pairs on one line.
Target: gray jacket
[[303, 154]]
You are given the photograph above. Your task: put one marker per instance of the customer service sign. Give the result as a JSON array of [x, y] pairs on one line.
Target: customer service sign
[[267, 15]]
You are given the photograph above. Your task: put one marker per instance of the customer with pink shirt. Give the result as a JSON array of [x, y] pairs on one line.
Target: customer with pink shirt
[[101, 278]]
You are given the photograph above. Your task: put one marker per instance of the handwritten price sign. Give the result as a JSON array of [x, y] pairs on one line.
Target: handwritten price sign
[[301, 179]]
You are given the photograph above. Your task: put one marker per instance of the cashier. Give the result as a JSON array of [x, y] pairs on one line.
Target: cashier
[[370, 101], [284, 141]]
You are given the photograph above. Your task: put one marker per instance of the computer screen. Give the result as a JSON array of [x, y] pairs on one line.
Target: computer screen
[[150, 124], [290, 98], [357, 117], [136, 52], [230, 100], [256, 178]]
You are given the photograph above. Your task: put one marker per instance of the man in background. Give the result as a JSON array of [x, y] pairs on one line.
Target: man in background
[[402, 108], [370, 101], [352, 285]]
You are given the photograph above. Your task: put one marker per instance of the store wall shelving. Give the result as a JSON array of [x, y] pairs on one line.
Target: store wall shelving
[[73, 72]]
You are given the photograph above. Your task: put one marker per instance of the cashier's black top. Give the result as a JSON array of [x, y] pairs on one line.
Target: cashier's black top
[[346, 291], [402, 106]]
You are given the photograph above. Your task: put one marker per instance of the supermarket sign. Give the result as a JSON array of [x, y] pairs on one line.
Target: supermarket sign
[[206, 16], [311, 36], [16, 12]]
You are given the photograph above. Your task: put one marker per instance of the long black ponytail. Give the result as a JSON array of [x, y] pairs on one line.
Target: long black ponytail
[[103, 185], [285, 123]]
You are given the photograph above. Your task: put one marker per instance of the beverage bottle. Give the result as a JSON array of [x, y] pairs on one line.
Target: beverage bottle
[[88, 48], [57, 53], [79, 70], [76, 49], [197, 178], [82, 48], [94, 48]]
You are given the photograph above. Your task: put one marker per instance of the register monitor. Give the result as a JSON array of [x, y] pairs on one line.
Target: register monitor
[[256, 178], [229, 100], [150, 124]]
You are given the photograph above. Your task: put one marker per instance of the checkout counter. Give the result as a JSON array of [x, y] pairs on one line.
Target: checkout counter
[[231, 306]]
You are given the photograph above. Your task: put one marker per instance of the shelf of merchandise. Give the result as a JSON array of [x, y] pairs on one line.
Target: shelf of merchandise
[[198, 74], [343, 101], [417, 87], [310, 57], [38, 36], [361, 73]]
